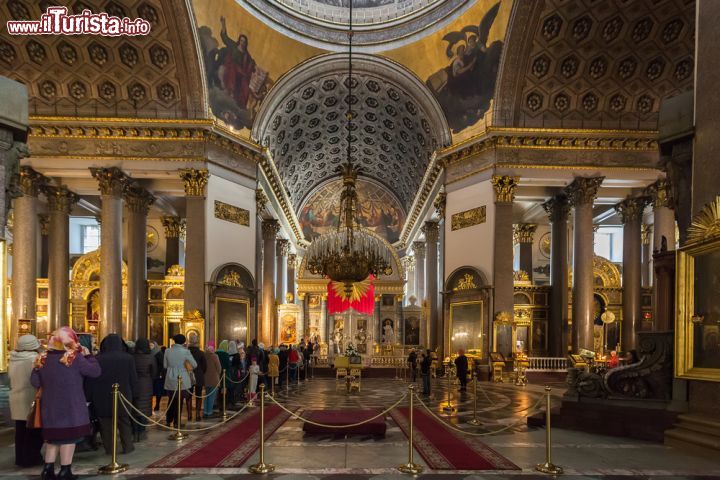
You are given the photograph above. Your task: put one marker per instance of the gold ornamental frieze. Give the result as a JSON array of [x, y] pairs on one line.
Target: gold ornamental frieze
[[231, 279], [467, 282], [468, 218], [231, 213]]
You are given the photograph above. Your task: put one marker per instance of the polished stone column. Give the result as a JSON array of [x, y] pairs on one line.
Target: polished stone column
[[270, 229], [431, 229], [44, 221], [292, 264], [503, 278], [581, 193], [558, 209], [195, 183], [173, 228], [523, 235], [60, 203], [663, 216], [419, 251], [113, 182], [646, 255], [137, 201], [24, 263], [631, 212], [281, 283], [663, 242]]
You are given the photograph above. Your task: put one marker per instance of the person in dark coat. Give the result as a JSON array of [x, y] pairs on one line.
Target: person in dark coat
[[118, 366], [65, 419], [461, 366], [283, 361], [159, 383], [425, 370], [147, 370], [412, 364], [199, 371]]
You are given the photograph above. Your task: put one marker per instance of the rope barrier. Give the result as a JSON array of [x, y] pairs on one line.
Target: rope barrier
[[305, 420], [239, 381], [125, 403], [484, 434], [169, 403], [202, 397]]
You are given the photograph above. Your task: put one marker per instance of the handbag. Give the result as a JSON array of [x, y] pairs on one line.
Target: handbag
[[34, 419], [191, 373]]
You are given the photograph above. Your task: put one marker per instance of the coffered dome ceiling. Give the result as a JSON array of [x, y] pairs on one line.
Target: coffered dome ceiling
[[90, 75], [595, 64], [396, 128]]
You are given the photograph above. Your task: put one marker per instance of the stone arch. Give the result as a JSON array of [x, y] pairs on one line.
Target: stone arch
[[463, 278]]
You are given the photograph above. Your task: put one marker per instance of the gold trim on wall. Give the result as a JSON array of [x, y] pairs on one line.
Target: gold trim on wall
[[468, 218], [231, 213]]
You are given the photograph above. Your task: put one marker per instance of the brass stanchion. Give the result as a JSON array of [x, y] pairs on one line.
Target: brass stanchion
[[114, 466], [224, 399], [178, 435], [475, 420], [261, 466], [410, 467], [449, 407], [548, 466]]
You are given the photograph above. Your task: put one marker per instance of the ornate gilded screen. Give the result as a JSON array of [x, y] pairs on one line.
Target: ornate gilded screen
[[231, 319], [466, 326], [697, 329]]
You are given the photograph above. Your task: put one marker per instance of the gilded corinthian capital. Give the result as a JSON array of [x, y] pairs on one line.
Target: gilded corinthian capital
[[631, 209], [28, 182], [138, 200], [524, 232], [270, 229], [173, 226], [504, 186], [431, 229], [112, 181], [283, 247], [557, 208], [583, 190], [261, 200], [661, 193], [195, 181], [60, 199], [419, 249]]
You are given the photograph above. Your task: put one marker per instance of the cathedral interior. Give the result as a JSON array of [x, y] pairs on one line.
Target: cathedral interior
[[528, 182]]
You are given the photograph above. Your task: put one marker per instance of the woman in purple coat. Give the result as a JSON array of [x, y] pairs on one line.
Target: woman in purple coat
[[65, 420]]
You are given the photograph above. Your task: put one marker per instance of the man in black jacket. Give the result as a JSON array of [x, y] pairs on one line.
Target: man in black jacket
[[412, 364], [461, 366], [117, 366], [283, 362], [199, 371], [425, 367]]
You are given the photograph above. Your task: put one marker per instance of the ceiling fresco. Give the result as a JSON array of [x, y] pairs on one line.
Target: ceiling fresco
[[380, 211]]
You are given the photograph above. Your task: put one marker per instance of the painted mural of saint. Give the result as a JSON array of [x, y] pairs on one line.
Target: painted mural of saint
[[237, 66]]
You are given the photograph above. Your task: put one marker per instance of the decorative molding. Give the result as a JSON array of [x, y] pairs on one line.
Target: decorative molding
[[645, 233], [557, 208], [468, 218], [439, 204], [270, 229], [112, 181], [467, 282], [261, 201], [231, 213], [524, 232], [661, 193], [408, 263], [195, 181], [292, 261], [138, 199], [631, 209], [231, 279], [60, 199], [521, 277], [583, 190], [706, 224], [504, 186], [28, 182]]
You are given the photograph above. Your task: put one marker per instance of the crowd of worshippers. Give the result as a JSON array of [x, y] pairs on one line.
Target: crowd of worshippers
[[71, 382]]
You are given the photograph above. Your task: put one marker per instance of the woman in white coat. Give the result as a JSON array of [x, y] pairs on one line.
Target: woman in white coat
[[22, 394]]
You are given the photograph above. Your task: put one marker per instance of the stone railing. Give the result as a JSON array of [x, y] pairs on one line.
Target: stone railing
[[548, 364], [375, 361]]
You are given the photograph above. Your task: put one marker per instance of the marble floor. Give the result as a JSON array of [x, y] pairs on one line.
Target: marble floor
[[499, 406]]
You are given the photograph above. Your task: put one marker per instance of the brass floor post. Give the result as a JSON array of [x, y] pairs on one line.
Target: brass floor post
[[114, 467], [548, 466], [261, 466], [410, 467]]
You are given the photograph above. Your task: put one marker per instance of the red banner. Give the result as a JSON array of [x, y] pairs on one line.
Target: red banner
[[362, 299]]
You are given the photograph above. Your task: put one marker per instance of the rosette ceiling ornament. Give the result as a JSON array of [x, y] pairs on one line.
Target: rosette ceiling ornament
[[349, 254]]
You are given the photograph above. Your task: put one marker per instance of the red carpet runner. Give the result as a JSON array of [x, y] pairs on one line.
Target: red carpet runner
[[229, 445], [443, 449]]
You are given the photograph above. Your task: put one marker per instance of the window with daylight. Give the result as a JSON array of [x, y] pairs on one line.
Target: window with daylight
[[89, 238], [609, 244]]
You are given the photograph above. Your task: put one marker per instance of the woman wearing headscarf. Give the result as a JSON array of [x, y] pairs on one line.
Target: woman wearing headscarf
[[65, 420], [28, 441], [117, 366], [212, 379], [177, 358], [147, 369]]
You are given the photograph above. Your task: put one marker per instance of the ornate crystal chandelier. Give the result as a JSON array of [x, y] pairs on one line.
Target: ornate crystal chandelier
[[350, 254]]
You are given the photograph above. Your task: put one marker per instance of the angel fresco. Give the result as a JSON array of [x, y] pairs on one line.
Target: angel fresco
[[464, 88], [236, 84]]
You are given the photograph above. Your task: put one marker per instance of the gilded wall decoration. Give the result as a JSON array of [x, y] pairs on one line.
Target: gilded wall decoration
[[467, 282], [468, 218], [231, 213], [379, 211], [231, 279]]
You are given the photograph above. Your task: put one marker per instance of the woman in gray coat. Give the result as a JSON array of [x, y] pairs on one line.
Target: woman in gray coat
[[147, 370], [178, 360]]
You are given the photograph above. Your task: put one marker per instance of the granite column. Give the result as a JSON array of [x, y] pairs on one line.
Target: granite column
[[173, 227], [137, 201], [195, 182], [270, 229], [281, 283], [431, 229], [558, 209]]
